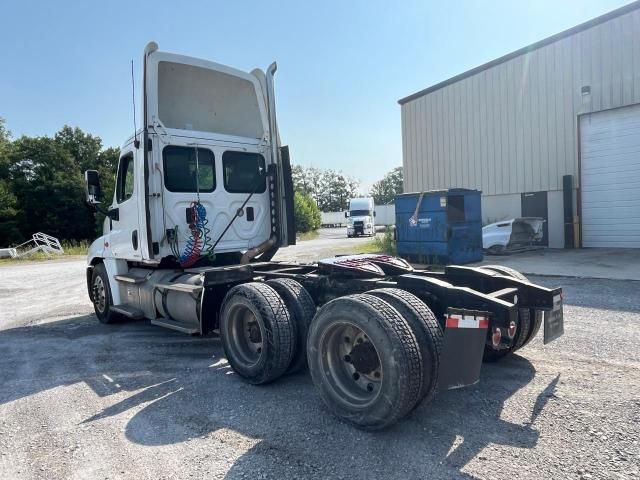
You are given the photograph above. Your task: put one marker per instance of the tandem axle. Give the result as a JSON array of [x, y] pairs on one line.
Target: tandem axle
[[341, 317]]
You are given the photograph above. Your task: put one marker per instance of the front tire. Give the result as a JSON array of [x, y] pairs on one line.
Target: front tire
[[257, 333], [365, 361], [101, 295]]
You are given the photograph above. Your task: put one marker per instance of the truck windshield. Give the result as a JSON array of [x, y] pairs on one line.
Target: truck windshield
[[360, 213]]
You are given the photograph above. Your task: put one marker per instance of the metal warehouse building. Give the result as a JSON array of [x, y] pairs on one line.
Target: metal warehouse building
[[566, 106]]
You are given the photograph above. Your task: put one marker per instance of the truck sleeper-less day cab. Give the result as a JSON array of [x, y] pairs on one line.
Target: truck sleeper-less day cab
[[203, 201], [361, 217]]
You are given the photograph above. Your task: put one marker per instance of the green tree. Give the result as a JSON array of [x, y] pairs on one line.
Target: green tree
[[87, 154], [42, 186], [9, 233], [306, 212], [49, 190], [84, 148], [330, 189], [385, 190]]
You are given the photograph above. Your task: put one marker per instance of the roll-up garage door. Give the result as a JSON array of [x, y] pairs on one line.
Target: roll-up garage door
[[610, 171]]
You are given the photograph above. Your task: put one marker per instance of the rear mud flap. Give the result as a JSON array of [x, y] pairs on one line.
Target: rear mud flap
[[465, 335]]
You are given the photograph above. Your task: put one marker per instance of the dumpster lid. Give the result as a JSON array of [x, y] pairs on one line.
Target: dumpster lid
[[450, 191]]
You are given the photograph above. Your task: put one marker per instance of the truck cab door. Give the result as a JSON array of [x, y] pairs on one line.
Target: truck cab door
[[125, 238]]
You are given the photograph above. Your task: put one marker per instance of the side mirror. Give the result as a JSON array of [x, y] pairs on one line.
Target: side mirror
[[346, 214], [92, 187], [374, 213]]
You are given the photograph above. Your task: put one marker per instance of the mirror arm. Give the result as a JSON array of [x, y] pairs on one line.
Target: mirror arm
[[96, 208]]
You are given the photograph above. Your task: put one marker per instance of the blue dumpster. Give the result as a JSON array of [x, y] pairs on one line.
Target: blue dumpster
[[439, 227]]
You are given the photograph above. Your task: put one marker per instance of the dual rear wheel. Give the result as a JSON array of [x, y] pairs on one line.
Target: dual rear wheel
[[373, 356], [529, 320], [263, 327]]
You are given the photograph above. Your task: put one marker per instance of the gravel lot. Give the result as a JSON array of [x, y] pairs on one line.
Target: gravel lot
[[83, 400]]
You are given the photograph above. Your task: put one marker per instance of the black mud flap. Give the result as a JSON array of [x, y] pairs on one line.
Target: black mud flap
[[554, 319], [465, 335]]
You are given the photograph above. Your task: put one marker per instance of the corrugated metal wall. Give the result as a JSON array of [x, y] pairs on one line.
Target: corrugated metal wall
[[513, 128]]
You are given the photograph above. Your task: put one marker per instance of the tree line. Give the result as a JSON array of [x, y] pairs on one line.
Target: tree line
[[42, 186], [332, 190]]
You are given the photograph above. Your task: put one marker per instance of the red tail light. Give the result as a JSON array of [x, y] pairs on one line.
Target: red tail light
[[496, 337], [511, 332]]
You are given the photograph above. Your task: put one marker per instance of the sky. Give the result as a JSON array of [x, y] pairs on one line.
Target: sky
[[342, 65]]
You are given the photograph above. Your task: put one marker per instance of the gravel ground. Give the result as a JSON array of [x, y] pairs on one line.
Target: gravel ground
[[83, 400]]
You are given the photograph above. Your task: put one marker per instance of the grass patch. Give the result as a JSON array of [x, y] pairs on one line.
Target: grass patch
[[311, 235], [369, 247], [386, 243]]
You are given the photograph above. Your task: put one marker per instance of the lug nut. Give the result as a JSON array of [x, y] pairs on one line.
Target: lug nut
[[369, 387], [347, 340], [347, 358], [356, 376]]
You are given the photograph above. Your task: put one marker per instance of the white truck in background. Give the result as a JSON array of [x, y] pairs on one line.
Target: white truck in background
[[361, 217]]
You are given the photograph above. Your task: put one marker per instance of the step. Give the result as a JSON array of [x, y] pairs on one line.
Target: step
[[180, 287], [175, 325], [128, 278], [128, 311]]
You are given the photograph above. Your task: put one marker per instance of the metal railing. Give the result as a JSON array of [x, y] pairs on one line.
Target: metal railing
[[39, 242]]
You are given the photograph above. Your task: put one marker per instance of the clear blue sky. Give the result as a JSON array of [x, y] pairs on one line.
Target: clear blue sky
[[342, 64]]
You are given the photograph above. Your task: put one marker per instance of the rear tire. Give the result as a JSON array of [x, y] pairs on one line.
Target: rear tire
[[426, 329], [524, 331], [101, 295], [365, 361], [257, 333], [301, 308]]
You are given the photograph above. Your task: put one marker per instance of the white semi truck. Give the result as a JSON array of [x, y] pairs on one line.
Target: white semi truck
[[361, 217], [203, 200]]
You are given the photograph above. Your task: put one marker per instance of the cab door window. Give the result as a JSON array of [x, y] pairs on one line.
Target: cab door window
[[125, 184]]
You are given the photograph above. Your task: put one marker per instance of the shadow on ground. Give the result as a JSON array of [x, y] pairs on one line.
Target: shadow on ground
[[188, 391]]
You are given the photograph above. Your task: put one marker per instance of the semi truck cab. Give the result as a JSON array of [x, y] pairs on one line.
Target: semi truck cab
[[206, 178], [361, 217]]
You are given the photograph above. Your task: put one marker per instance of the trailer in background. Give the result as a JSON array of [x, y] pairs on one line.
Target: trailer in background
[[332, 219], [385, 215]]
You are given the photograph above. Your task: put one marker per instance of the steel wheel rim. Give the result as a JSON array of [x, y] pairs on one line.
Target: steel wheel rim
[[99, 294], [348, 358], [245, 334]]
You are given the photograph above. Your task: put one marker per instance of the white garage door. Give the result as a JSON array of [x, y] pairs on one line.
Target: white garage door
[[610, 168]]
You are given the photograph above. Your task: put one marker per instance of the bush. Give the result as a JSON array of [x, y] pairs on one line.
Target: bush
[[306, 212], [386, 243]]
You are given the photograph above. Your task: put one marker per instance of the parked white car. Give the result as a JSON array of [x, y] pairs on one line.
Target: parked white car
[[512, 234]]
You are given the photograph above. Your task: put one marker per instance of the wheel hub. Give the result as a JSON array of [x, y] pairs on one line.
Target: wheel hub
[[364, 358], [99, 294], [254, 333]]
